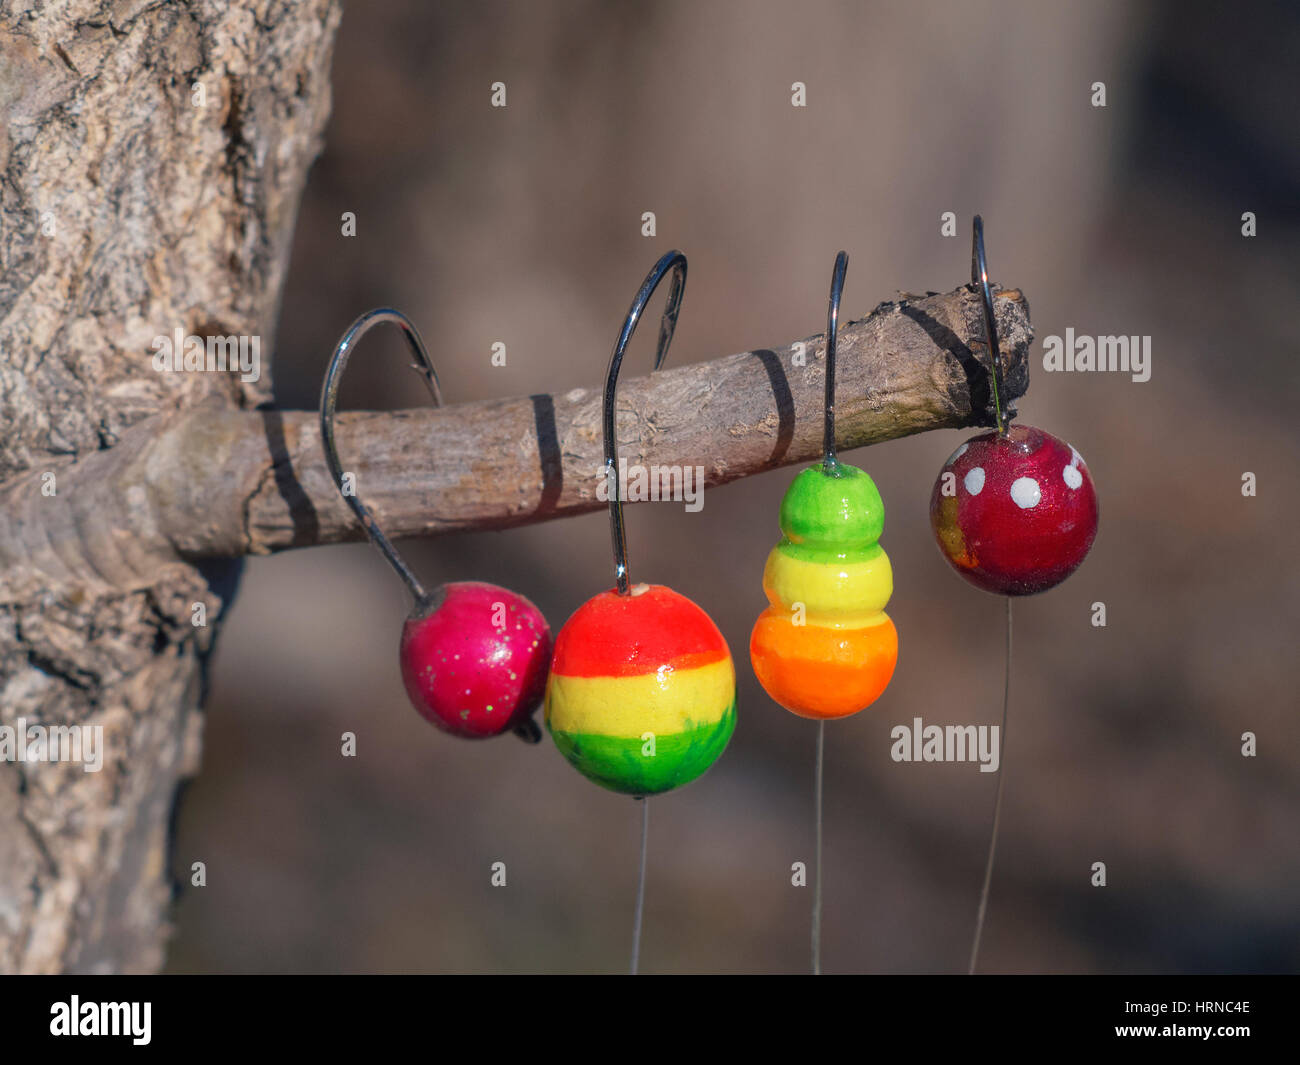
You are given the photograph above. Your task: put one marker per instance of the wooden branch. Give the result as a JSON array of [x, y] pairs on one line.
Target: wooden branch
[[218, 482]]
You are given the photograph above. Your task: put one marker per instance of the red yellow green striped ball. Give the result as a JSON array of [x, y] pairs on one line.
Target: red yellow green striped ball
[[642, 693]]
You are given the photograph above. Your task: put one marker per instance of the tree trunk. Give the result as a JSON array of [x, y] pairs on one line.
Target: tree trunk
[[153, 159]]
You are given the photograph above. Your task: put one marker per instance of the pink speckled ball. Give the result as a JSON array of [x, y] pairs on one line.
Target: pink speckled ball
[[475, 659]]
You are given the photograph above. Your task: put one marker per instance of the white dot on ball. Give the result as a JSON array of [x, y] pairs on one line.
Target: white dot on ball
[[956, 454], [1072, 476], [1025, 492], [974, 481]]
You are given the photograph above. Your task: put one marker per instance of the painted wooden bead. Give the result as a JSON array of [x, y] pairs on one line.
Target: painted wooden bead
[[825, 648], [1014, 514], [474, 659], [642, 694]]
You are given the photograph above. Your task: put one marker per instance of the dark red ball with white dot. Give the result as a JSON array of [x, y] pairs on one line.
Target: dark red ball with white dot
[[1015, 514], [475, 658]]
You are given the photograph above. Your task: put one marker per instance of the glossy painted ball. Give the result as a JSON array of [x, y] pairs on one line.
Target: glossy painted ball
[[474, 659], [642, 695], [824, 647], [1014, 514]]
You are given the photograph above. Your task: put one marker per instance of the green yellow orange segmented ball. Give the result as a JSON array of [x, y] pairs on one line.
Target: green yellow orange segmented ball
[[824, 647]]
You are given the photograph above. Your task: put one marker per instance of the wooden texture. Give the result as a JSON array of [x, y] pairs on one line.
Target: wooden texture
[[131, 203]]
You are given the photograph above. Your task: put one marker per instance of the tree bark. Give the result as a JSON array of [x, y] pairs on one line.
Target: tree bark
[[152, 160], [152, 163]]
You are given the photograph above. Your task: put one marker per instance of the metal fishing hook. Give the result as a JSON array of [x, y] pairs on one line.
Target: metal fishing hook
[[979, 276], [829, 459], [329, 399], [676, 262]]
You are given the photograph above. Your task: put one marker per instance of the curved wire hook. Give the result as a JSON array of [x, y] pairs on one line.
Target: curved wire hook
[[328, 400], [676, 262], [830, 460], [979, 276]]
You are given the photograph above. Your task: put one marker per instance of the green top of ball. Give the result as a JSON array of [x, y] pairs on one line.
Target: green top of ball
[[837, 508]]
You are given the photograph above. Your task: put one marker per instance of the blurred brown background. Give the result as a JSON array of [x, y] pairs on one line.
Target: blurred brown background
[[523, 225]]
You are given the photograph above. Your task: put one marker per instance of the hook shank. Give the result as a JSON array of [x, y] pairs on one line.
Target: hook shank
[[329, 400], [979, 276], [829, 459], [676, 262]]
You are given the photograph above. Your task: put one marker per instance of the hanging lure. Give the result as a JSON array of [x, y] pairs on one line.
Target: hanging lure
[[825, 648], [473, 655], [642, 692], [1014, 510]]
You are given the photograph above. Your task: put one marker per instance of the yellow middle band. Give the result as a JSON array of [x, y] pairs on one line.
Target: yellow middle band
[[844, 594], [664, 703]]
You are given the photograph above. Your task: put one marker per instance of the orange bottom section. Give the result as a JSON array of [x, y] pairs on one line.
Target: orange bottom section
[[819, 672]]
